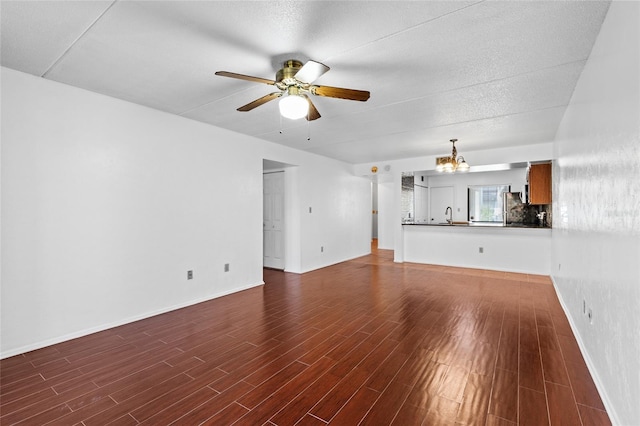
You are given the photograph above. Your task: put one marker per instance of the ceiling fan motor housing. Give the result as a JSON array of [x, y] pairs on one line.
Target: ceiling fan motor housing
[[287, 73]]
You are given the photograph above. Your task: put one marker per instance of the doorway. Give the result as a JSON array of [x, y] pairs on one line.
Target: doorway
[[374, 209], [273, 220]]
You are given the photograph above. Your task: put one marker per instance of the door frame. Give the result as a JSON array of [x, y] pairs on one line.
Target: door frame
[[292, 215], [283, 230]]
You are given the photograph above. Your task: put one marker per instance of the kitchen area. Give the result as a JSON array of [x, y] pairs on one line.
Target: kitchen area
[[496, 217]]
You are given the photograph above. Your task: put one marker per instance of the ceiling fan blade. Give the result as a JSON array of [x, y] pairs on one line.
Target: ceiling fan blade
[[313, 113], [245, 77], [260, 101], [338, 92], [311, 71]]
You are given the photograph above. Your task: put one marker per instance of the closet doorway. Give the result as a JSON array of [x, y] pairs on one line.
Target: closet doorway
[[273, 220]]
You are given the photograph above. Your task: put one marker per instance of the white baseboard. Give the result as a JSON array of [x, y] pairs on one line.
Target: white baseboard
[[326, 265], [102, 327], [587, 359]]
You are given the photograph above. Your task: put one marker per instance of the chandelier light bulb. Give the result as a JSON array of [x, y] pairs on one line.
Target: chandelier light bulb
[[452, 163], [462, 165]]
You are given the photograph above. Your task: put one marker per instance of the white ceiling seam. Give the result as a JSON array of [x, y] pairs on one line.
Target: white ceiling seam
[[44, 75], [411, 28]]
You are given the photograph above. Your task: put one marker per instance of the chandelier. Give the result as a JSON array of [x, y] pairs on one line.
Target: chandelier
[[452, 163]]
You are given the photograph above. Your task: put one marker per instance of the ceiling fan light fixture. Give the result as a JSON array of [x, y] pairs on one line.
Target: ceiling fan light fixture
[[294, 82], [293, 106]]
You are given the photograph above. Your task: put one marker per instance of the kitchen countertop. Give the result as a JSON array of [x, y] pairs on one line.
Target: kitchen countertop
[[478, 225]]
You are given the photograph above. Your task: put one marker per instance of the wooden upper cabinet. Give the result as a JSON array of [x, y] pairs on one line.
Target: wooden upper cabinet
[[540, 184]]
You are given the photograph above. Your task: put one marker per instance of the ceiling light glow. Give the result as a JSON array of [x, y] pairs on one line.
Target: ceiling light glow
[[293, 107]]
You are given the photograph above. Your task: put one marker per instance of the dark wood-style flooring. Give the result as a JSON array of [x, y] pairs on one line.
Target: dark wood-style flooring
[[364, 342]]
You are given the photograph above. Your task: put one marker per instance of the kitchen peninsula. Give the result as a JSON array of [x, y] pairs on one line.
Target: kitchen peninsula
[[522, 249], [469, 220]]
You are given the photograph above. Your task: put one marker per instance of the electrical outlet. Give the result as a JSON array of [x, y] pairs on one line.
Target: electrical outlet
[[309, 209], [321, 249], [189, 275], [480, 249], [226, 267]]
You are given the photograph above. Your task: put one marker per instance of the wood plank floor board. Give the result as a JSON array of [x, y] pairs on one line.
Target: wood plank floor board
[[561, 404], [135, 401], [230, 414], [509, 346], [410, 415], [504, 397], [47, 416], [335, 399], [426, 386], [181, 399], [34, 384], [76, 416], [388, 369], [553, 366], [592, 416], [263, 411], [387, 405], [366, 341], [453, 384], [357, 407], [212, 407], [475, 400], [39, 404], [265, 389], [530, 371], [532, 408], [299, 406]]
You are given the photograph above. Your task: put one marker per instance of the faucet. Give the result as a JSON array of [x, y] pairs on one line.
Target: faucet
[[450, 211]]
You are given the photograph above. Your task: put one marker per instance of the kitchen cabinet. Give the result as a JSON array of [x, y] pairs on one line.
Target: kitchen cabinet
[[540, 184]]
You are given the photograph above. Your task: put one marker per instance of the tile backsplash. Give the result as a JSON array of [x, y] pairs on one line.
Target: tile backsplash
[[527, 214]]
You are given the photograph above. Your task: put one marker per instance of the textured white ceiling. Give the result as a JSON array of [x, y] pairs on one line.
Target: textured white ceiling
[[490, 73]]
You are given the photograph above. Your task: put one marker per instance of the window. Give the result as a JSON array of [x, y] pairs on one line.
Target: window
[[485, 202]]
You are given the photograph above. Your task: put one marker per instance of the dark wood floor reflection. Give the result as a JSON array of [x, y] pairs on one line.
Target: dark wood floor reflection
[[364, 342]]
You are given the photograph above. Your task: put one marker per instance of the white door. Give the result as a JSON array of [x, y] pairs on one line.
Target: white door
[[441, 198], [273, 220], [374, 209]]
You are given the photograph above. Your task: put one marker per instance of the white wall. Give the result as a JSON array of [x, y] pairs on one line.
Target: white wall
[[596, 234], [107, 204], [520, 250], [386, 218]]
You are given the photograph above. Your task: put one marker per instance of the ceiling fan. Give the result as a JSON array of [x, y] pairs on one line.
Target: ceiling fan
[[295, 84]]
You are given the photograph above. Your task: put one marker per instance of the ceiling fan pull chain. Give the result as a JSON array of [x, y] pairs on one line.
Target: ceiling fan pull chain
[[308, 130], [280, 123]]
